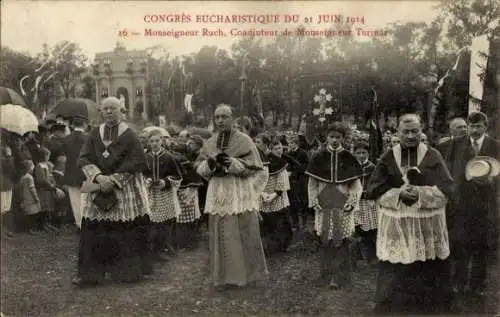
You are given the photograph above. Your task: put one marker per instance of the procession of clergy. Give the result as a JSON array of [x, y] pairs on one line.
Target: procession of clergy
[[416, 209]]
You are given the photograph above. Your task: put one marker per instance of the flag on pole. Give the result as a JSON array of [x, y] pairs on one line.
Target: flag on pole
[[480, 44], [376, 142], [50, 77], [35, 88], [257, 111], [187, 102], [55, 55], [21, 84], [162, 121], [437, 100], [437, 94], [448, 73]]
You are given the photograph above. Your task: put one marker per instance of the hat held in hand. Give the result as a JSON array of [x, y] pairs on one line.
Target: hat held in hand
[[482, 167]]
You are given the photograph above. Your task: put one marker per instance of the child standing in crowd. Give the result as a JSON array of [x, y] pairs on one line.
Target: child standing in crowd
[[30, 202], [366, 217], [263, 142], [275, 202], [190, 207], [334, 189], [193, 147], [143, 138], [297, 163], [62, 213], [7, 182], [46, 188], [163, 178]]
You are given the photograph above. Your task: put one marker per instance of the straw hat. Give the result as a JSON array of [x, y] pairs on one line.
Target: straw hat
[[482, 167]]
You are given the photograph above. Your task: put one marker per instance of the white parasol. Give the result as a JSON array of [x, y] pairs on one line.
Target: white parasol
[[18, 119]]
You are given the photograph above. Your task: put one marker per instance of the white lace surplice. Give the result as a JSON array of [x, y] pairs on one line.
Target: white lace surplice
[[132, 202], [277, 182], [412, 233], [346, 226], [236, 192]]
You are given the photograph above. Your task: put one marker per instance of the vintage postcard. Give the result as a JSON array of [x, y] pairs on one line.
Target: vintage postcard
[[206, 131]]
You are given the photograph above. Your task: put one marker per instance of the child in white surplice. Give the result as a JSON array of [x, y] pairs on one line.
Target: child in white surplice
[[275, 203], [335, 171]]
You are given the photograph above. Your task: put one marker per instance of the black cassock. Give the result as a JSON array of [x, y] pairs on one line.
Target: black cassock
[[297, 165], [419, 286]]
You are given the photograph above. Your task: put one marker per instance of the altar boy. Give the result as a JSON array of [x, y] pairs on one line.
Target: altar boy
[[334, 190]]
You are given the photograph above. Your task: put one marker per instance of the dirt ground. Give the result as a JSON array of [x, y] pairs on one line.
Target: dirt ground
[[37, 271]]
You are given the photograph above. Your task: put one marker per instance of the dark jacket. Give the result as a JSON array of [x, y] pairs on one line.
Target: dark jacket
[[56, 147], [459, 151], [474, 220], [297, 163], [6, 168], [72, 145]]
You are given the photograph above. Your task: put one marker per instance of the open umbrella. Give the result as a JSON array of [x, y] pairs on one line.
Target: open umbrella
[[17, 119], [204, 133], [163, 131], [77, 108], [10, 96]]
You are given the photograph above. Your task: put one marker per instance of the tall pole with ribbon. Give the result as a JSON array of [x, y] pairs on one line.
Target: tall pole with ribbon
[[243, 78], [375, 132]]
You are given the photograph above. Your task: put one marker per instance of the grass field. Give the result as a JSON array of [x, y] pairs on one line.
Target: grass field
[[37, 271]]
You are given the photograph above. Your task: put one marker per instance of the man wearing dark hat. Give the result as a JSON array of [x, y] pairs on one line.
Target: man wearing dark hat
[[73, 175], [474, 223], [56, 143]]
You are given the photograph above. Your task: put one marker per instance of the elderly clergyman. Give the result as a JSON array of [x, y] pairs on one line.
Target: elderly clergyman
[[412, 186], [115, 214], [231, 163]]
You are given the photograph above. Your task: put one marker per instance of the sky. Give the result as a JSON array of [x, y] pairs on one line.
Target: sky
[[95, 25]]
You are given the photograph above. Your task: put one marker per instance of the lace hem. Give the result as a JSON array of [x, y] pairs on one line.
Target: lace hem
[[409, 239], [132, 202], [340, 227], [232, 195], [412, 212]]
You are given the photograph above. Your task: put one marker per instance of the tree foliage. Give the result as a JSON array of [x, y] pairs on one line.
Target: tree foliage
[[284, 73]]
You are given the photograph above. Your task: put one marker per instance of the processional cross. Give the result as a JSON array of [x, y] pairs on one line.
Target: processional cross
[[322, 98]]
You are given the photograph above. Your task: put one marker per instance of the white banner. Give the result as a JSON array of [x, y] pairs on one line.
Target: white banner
[[162, 121], [478, 63], [187, 102]]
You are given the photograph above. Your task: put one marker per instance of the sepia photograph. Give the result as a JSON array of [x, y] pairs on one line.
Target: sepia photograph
[[249, 158]]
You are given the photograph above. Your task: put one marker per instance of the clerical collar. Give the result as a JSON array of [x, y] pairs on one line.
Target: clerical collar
[[111, 131], [409, 156], [223, 139], [338, 149], [79, 129]]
